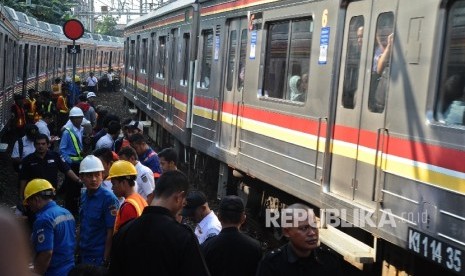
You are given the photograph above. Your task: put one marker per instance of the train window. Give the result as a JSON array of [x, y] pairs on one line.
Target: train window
[[185, 69], [59, 57], [450, 106], [352, 67], [382, 50], [205, 69], [161, 57], [20, 62], [132, 53], [242, 57], [32, 61], [143, 65], [231, 59], [2, 56], [287, 59], [5, 61], [43, 59]]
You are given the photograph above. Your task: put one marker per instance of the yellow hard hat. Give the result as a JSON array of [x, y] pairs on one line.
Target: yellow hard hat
[[122, 168], [36, 186], [77, 78]]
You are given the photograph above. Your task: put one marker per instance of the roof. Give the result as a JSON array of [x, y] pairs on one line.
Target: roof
[[171, 6]]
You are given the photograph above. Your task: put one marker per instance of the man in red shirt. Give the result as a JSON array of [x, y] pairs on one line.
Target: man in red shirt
[[123, 178]]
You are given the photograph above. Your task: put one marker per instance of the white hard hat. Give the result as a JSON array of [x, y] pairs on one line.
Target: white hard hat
[[91, 164], [76, 112], [91, 94]]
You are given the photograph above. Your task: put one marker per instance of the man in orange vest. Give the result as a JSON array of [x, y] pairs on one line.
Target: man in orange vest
[[62, 109], [30, 105], [18, 117], [123, 178]]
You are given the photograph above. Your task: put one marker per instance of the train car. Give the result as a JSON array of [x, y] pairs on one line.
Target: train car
[[160, 55], [9, 50], [355, 107], [33, 53]]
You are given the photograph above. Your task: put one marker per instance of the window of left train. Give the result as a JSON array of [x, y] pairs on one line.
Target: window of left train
[[287, 59], [450, 106]]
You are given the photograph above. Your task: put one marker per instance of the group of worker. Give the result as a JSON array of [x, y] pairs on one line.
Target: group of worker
[[130, 205]]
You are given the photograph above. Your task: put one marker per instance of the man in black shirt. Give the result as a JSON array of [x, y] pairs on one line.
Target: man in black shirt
[[231, 252], [302, 255], [155, 243], [45, 164]]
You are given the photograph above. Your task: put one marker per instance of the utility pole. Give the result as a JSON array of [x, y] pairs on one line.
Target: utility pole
[[92, 18]]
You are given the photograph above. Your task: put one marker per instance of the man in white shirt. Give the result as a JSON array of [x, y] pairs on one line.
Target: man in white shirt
[[24, 146], [91, 82], [108, 140], [145, 180], [42, 124], [198, 210]]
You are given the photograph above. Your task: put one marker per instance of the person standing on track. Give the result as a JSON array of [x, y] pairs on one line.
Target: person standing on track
[[197, 209], [231, 247], [71, 150], [53, 231], [123, 178], [302, 255], [155, 243], [147, 156], [145, 180], [97, 215], [92, 82]]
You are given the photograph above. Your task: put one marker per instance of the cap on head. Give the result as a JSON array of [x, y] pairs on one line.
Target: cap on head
[[76, 112], [91, 95], [135, 124], [232, 203], [91, 164], [122, 168], [194, 200], [36, 186]]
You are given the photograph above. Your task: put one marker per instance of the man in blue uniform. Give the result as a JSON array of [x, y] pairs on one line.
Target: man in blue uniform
[[97, 214], [53, 232], [147, 156]]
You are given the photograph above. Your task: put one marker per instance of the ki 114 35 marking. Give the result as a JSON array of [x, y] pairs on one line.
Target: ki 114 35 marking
[[436, 251]]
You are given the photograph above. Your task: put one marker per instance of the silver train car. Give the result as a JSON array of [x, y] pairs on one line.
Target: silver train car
[[355, 107], [33, 53]]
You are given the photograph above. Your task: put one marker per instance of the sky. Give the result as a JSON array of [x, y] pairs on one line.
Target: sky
[[123, 20]]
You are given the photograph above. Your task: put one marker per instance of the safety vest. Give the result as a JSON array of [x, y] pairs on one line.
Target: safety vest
[[135, 200], [61, 105], [21, 117], [77, 148], [31, 108]]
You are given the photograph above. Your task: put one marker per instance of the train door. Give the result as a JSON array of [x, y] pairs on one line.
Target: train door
[[236, 47], [171, 82], [362, 93]]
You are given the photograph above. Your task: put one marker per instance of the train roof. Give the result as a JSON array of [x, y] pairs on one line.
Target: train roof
[[30, 25], [167, 8]]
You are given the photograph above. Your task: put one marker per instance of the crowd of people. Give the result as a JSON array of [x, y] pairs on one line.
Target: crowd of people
[[129, 205]]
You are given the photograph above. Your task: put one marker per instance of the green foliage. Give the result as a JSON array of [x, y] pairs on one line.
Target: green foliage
[[51, 11], [107, 26]]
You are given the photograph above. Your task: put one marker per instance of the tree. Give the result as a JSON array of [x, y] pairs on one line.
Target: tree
[[107, 26], [50, 11]]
